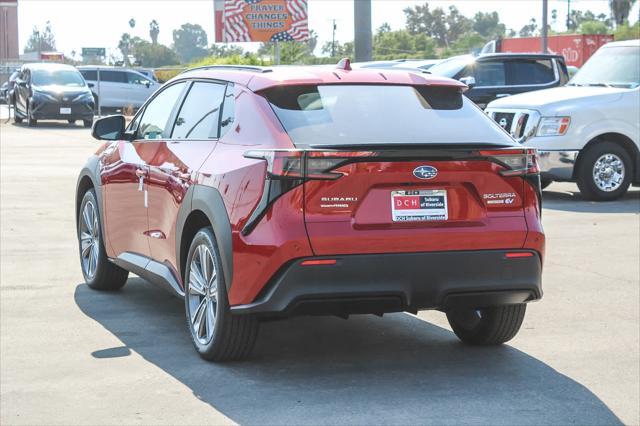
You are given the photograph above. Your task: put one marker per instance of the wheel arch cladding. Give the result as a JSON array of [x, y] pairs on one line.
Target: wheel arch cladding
[[88, 179], [619, 139], [203, 206]]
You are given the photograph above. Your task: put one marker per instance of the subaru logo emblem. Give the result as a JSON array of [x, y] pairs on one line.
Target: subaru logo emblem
[[503, 123], [65, 99], [425, 172]]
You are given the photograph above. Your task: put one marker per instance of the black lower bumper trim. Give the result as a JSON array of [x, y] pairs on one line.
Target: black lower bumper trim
[[381, 283]]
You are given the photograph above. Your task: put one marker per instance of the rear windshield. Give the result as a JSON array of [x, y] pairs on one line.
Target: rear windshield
[[330, 115]]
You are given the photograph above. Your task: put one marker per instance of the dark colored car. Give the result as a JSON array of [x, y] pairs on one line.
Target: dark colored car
[[267, 192], [48, 91], [497, 75], [7, 89]]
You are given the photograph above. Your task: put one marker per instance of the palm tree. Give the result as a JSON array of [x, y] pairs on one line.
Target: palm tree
[[620, 10], [125, 45], [154, 30]]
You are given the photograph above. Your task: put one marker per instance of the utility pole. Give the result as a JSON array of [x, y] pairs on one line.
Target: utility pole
[[333, 40], [568, 14], [545, 5], [362, 29]]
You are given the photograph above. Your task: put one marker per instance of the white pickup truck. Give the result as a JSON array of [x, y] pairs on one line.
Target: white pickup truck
[[588, 131]]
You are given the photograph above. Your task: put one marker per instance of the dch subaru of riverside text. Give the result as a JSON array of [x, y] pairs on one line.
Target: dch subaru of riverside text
[[257, 193]]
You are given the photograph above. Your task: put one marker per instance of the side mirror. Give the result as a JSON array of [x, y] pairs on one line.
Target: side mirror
[[90, 85], [109, 128], [147, 83], [469, 81]]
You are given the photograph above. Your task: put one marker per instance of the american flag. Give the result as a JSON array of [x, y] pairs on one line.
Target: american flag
[[236, 30]]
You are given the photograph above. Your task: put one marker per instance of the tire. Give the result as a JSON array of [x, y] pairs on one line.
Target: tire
[[217, 334], [16, 119], [545, 182], [608, 157], [95, 104], [87, 123], [31, 122], [487, 326], [99, 273]]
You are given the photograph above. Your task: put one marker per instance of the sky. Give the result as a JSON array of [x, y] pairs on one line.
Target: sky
[[100, 23]]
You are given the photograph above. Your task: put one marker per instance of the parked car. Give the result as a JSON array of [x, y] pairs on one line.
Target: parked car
[[588, 131], [119, 87], [422, 64], [49, 91], [7, 89], [500, 75], [254, 192]]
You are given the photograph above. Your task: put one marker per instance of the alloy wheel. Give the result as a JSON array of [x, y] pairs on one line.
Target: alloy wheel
[[89, 239], [608, 172], [202, 293]]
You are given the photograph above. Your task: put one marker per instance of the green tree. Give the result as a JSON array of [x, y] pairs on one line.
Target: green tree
[[124, 45], [292, 52], [223, 50], [190, 42], [488, 25], [154, 31], [444, 27], [155, 55], [620, 10], [627, 32], [594, 27], [41, 40], [468, 43], [402, 44], [530, 29]]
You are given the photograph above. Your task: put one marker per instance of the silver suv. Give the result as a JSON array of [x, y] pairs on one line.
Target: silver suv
[[118, 87]]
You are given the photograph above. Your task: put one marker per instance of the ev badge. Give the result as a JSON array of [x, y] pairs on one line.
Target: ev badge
[[425, 172]]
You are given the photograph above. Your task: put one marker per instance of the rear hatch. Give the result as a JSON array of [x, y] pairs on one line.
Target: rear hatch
[[397, 168], [416, 200]]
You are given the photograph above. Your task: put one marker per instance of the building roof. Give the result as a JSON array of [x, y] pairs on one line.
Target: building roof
[[260, 78]]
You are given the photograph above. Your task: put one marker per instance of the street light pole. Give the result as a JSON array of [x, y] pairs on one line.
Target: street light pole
[[362, 29], [545, 5], [333, 40]]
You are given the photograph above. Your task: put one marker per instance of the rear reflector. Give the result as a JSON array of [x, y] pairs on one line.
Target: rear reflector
[[518, 254], [319, 262]]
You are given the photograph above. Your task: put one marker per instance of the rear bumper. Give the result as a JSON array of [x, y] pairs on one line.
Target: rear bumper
[[381, 283]]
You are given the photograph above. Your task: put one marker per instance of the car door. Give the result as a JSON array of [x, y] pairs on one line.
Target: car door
[[113, 89], [176, 161], [125, 174]]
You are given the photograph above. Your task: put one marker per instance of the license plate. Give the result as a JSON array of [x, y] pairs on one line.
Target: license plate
[[65, 110], [419, 206]]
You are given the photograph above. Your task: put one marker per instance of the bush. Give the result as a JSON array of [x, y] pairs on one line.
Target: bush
[[626, 32], [247, 59]]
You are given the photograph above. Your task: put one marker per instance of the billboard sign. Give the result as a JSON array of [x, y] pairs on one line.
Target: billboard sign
[[264, 21]]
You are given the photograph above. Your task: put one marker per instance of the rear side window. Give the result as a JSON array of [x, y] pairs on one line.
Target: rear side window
[[154, 123], [490, 73], [200, 113], [341, 114], [89, 75], [529, 71], [113, 76]]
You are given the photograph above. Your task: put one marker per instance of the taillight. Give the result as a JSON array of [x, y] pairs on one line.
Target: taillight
[[287, 169], [306, 164], [516, 162]]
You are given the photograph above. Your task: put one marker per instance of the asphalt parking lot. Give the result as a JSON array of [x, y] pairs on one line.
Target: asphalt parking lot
[[70, 355]]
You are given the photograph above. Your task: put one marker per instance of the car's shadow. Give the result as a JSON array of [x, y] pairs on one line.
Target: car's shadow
[[572, 201], [53, 125], [324, 370]]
